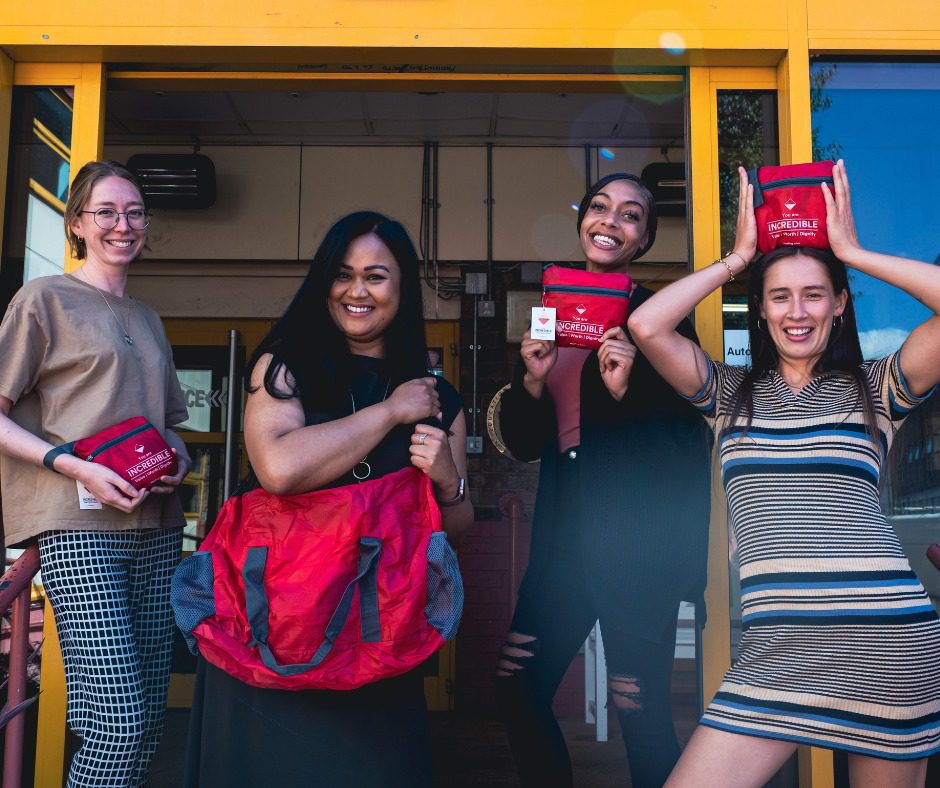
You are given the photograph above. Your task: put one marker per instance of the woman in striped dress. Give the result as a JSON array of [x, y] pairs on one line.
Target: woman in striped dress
[[841, 646]]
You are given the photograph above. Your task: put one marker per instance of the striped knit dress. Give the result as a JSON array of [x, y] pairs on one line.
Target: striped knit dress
[[840, 645]]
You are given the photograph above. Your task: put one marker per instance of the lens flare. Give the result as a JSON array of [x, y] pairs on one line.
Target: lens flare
[[673, 43]]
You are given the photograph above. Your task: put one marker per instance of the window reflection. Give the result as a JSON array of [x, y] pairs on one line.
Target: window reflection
[[41, 138], [882, 118]]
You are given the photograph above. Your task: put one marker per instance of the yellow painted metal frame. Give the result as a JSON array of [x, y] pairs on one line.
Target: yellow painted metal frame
[[790, 77], [6, 101], [87, 80], [791, 81]]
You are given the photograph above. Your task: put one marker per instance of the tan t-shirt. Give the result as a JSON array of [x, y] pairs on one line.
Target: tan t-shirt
[[69, 372]]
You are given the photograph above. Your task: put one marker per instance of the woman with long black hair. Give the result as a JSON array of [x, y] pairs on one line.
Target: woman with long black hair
[[621, 517], [339, 392]]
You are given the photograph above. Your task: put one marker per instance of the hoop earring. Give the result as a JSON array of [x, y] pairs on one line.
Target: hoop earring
[[761, 327]]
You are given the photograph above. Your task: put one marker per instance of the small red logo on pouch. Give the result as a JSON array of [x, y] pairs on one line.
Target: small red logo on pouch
[[139, 448], [790, 204], [580, 309]]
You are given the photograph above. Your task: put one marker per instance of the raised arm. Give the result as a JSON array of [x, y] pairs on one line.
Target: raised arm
[[921, 349], [679, 360], [289, 457]]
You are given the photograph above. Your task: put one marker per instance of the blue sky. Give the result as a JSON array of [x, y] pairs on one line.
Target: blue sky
[[886, 117]]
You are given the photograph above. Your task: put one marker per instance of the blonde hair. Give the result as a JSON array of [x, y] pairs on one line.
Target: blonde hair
[[80, 192]]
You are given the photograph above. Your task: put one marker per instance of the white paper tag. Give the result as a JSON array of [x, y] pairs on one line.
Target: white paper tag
[[85, 499], [543, 323]]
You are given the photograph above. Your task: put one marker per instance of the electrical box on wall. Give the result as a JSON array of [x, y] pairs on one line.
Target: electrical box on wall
[[475, 284]]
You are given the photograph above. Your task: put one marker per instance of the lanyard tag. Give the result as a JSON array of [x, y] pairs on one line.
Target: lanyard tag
[[85, 499], [543, 323]]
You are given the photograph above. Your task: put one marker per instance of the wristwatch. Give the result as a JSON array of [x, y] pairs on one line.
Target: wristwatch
[[459, 497]]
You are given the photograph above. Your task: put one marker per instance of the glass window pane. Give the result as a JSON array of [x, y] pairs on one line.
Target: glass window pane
[[37, 185], [882, 118], [747, 137]]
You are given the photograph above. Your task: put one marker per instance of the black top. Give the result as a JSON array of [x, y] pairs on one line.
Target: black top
[[644, 515], [370, 385]]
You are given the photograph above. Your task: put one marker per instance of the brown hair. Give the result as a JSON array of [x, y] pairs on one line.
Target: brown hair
[[80, 193]]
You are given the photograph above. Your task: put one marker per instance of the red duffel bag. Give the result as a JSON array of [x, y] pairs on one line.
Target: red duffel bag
[[586, 304], [331, 589], [789, 205]]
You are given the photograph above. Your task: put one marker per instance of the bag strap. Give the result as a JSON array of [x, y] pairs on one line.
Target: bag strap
[[754, 180], [256, 604]]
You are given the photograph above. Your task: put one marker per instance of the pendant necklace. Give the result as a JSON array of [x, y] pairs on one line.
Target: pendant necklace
[[362, 470], [124, 327]]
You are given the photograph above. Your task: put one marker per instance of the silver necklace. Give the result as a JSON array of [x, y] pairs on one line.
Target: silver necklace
[[124, 327], [362, 470]]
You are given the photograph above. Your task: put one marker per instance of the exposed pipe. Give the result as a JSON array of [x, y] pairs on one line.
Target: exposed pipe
[[230, 415]]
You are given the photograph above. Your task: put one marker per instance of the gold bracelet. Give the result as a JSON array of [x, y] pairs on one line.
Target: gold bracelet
[[725, 264]]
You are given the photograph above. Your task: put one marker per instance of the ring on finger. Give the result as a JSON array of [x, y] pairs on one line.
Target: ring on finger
[[422, 437]]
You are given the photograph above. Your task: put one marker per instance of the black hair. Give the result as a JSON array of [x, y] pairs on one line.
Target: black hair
[[842, 354], [651, 214], [307, 342]]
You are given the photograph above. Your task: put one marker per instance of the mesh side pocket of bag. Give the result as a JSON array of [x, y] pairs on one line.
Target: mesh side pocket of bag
[[192, 595], [445, 587]]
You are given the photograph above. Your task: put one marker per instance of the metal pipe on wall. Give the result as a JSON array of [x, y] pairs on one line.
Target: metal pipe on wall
[[230, 415]]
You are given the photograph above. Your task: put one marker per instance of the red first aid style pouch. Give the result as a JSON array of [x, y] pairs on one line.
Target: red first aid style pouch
[[789, 205], [586, 304], [134, 449], [331, 589]]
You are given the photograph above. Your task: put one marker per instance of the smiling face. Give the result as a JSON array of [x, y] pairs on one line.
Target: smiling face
[[799, 305], [365, 295], [119, 246], [614, 227]]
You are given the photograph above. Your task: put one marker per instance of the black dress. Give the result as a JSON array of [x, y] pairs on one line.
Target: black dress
[[376, 735]]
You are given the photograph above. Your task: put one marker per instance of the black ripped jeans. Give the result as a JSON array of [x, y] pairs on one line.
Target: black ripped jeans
[[556, 608]]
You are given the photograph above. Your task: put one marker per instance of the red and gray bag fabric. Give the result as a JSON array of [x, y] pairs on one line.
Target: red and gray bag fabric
[[789, 205], [586, 304], [331, 589], [134, 449]]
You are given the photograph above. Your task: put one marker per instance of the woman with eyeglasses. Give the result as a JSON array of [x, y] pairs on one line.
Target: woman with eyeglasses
[[81, 355]]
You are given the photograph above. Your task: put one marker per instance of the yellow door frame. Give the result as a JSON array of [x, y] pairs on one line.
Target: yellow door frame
[[6, 102], [87, 81], [791, 81]]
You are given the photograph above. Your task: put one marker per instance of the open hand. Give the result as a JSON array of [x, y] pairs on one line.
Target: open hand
[[840, 223], [745, 231]]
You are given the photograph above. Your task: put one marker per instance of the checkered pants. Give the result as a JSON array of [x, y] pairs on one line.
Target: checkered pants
[[110, 592]]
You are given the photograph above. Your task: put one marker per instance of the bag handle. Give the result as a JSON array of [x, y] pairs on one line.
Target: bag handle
[[256, 604], [754, 179]]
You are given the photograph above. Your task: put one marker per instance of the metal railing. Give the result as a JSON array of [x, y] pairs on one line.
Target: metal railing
[[16, 591]]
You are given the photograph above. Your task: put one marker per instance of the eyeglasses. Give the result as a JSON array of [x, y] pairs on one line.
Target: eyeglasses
[[108, 218]]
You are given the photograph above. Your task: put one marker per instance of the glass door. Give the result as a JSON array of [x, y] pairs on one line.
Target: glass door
[[207, 363]]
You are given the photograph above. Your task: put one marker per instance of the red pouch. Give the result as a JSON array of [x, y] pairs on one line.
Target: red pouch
[[789, 205], [586, 304], [134, 449]]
